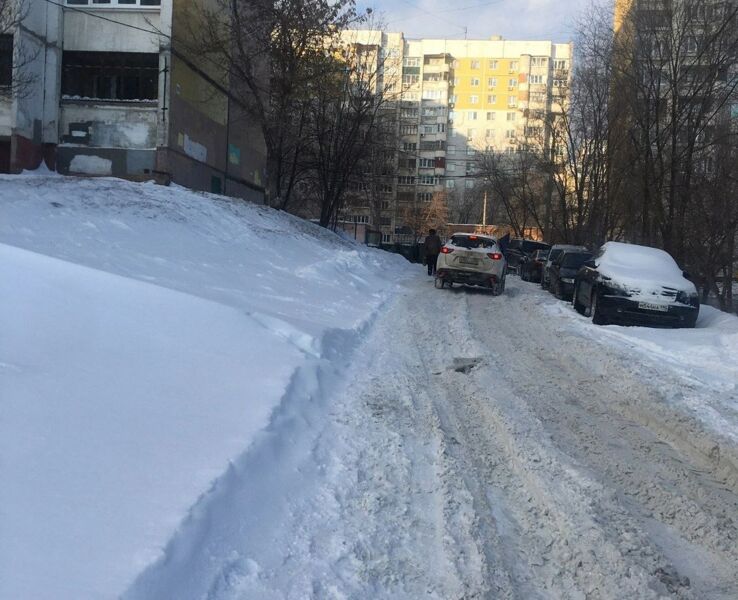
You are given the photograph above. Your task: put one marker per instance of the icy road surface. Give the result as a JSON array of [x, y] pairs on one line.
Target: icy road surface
[[484, 447]]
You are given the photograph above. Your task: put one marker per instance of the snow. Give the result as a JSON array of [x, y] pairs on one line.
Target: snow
[[203, 398], [91, 165], [150, 337], [641, 268]]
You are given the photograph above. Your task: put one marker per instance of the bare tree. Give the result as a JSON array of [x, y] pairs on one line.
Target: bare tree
[[271, 53], [16, 54], [675, 77]]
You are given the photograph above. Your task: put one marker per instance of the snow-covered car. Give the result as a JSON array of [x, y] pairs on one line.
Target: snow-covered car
[[472, 260], [635, 285]]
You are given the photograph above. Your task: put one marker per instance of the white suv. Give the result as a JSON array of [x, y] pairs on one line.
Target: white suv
[[472, 260]]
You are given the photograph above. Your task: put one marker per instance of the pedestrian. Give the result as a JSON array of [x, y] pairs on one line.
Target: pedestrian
[[432, 250]]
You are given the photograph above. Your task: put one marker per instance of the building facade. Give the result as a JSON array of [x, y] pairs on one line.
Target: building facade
[[105, 88], [456, 99]]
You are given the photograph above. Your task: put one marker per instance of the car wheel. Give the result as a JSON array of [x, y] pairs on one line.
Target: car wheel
[[439, 283], [597, 317], [503, 283]]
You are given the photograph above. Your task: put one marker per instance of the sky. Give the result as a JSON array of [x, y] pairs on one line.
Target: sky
[[512, 19]]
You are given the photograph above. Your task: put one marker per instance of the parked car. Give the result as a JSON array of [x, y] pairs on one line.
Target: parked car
[[472, 260], [564, 270], [531, 269], [555, 252], [635, 285], [520, 250]]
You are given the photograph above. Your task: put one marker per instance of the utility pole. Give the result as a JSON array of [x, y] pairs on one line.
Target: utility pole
[[484, 210]]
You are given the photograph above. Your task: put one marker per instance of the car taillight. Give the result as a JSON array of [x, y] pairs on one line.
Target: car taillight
[[494, 255], [445, 250]]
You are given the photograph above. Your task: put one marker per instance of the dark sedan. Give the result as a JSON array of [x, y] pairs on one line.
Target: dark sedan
[[532, 269], [564, 270], [635, 285], [519, 250]]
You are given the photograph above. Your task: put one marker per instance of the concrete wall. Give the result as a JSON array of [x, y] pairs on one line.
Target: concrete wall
[[109, 125]]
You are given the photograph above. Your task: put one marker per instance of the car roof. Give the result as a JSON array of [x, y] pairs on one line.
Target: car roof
[[568, 247], [476, 235]]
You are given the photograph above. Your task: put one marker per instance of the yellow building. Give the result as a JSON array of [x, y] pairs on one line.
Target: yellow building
[[459, 97]]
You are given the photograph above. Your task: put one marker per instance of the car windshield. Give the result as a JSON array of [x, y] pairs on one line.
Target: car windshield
[[529, 246], [574, 260], [554, 254], [541, 254], [472, 241]]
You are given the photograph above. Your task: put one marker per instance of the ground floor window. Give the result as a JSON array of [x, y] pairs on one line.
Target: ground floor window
[[124, 76]]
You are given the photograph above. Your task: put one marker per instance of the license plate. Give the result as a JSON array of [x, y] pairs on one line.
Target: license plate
[[651, 306], [468, 261]]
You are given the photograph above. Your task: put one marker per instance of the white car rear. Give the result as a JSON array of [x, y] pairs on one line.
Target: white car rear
[[471, 259]]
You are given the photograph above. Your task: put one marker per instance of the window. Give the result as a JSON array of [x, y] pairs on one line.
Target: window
[[475, 81], [6, 59], [512, 101], [409, 129], [429, 180], [538, 61], [409, 112], [441, 127], [433, 94], [473, 99], [490, 133], [452, 99], [429, 129], [405, 179], [511, 116], [469, 184], [470, 133], [386, 221], [472, 115], [125, 76], [410, 79], [410, 147], [538, 97], [411, 61], [451, 149], [561, 65], [510, 134], [492, 64], [116, 3], [512, 82], [470, 151], [427, 163], [490, 116], [425, 196], [386, 238], [536, 79], [450, 184], [492, 82], [474, 64], [491, 98], [451, 167], [513, 65], [357, 219]]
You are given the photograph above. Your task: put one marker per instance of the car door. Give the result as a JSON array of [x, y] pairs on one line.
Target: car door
[[584, 281]]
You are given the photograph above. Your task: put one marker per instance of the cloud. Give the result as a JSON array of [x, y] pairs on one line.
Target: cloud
[[524, 20]]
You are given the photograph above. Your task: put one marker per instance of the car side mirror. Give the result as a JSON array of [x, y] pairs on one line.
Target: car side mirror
[[589, 264], [686, 275]]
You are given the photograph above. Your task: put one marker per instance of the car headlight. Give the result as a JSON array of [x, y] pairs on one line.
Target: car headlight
[[567, 280], [611, 288], [689, 298]]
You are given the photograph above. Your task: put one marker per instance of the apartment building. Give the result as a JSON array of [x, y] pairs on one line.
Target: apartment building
[[107, 88], [455, 99]]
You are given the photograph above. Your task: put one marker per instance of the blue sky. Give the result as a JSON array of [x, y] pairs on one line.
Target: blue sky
[[512, 19]]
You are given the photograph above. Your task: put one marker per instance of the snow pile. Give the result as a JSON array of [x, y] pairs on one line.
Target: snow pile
[[641, 268], [152, 337]]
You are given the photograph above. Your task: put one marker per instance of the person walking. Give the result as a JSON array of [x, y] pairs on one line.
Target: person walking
[[432, 250]]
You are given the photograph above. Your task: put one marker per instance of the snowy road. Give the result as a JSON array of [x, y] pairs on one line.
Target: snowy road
[[478, 447]]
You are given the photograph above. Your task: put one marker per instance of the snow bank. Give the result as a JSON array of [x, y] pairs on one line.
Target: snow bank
[[149, 338], [705, 358]]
